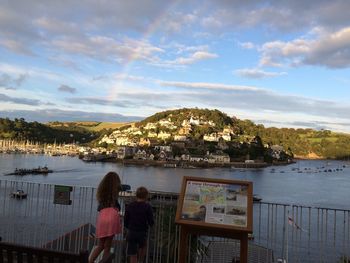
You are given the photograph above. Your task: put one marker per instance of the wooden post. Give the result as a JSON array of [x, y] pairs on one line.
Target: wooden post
[[183, 245], [244, 249]]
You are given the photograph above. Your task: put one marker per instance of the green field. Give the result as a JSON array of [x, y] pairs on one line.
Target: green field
[[90, 125], [105, 125]]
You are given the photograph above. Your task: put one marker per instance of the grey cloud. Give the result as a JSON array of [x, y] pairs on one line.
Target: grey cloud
[[60, 115], [66, 88], [317, 125], [255, 73], [328, 49], [9, 82], [106, 48], [255, 99], [58, 28], [279, 15], [24, 101], [98, 101], [127, 102]]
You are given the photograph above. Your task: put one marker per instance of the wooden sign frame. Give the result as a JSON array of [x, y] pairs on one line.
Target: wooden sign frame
[[216, 221]]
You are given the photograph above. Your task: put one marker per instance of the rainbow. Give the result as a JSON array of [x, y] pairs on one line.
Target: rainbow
[[145, 36]]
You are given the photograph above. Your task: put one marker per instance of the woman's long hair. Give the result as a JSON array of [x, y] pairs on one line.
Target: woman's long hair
[[108, 189]]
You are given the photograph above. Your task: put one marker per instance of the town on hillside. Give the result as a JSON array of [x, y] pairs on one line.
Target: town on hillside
[[194, 132], [180, 138], [194, 140]]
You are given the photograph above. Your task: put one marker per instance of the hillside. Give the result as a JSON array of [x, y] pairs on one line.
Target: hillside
[[19, 129], [199, 124], [90, 125], [206, 129]]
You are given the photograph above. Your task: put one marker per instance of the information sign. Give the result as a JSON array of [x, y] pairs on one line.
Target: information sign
[[216, 203], [62, 195], [215, 207]]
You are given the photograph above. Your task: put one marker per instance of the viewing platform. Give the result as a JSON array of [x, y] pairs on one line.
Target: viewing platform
[[281, 232]]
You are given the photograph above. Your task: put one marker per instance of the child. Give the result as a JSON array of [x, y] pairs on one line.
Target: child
[[108, 220], [138, 217]]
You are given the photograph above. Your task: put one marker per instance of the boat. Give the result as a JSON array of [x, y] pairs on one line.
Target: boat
[[125, 188], [18, 194], [256, 198], [39, 170]]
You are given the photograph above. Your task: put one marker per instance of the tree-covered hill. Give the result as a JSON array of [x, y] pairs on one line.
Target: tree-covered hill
[[178, 116], [19, 129], [303, 143]]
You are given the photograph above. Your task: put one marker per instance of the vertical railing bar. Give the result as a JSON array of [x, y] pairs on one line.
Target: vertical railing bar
[[318, 242], [300, 220], [91, 207], [348, 212], [284, 232], [259, 224], [309, 231], [169, 234], [322, 232], [268, 225], [344, 229], [334, 227], [161, 229], [292, 241], [326, 232]]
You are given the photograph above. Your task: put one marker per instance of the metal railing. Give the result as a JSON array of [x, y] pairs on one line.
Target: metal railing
[[281, 232]]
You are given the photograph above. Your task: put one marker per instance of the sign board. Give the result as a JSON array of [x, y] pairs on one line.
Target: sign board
[[214, 203], [62, 195]]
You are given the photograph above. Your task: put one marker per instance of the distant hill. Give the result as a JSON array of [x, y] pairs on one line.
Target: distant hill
[[303, 143], [90, 125], [19, 129], [178, 116]]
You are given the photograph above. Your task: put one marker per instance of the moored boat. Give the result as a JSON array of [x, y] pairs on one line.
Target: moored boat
[[39, 170], [18, 194], [256, 198]]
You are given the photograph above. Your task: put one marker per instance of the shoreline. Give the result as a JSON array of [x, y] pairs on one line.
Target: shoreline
[[191, 165]]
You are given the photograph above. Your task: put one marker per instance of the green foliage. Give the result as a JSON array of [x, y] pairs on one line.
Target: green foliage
[[19, 129], [177, 116], [299, 142]]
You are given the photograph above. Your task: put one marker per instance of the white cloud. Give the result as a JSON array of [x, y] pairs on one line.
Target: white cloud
[[276, 15], [256, 73], [16, 47], [247, 45], [195, 57], [209, 86], [29, 72], [107, 48], [330, 50]]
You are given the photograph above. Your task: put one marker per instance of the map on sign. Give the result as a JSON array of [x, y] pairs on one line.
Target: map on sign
[[62, 195], [216, 203]]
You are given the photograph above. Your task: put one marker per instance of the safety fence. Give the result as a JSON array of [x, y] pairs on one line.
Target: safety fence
[[281, 232]]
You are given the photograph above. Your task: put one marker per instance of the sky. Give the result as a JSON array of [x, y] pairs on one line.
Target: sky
[[282, 63]]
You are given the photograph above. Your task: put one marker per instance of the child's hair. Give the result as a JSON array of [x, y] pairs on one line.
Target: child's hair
[[108, 189], [142, 193]]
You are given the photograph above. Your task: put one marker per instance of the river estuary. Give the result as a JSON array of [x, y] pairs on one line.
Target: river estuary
[[315, 183]]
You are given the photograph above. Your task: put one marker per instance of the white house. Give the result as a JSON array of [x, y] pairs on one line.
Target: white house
[[213, 137], [180, 138], [163, 135]]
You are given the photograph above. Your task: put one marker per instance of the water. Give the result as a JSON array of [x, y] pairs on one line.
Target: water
[[284, 184]]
